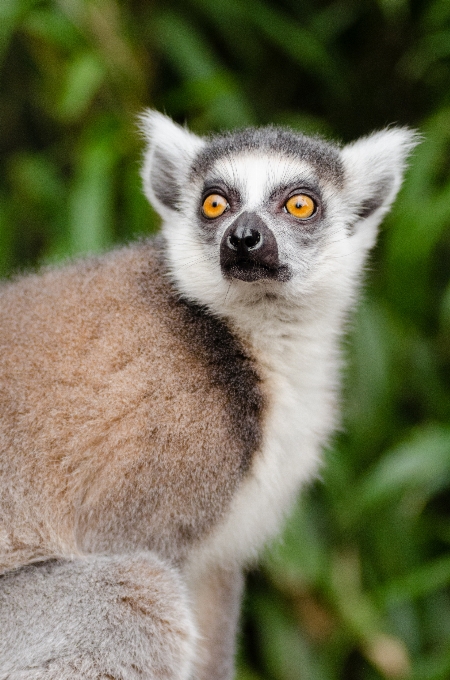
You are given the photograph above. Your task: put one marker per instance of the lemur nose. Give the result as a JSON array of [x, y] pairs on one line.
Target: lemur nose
[[244, 239], [249, 251]]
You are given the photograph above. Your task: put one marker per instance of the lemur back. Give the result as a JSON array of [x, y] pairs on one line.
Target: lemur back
[[161, 405], [103, 364]]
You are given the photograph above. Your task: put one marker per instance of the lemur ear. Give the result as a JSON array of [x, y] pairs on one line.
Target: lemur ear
[[169, 153], [374, 168]]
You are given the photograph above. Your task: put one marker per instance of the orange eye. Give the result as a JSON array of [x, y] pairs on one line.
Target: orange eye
[[214, 206], [301, 206]]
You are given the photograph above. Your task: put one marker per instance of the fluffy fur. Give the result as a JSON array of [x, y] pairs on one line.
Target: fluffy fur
[[158, 417], [97, 617]]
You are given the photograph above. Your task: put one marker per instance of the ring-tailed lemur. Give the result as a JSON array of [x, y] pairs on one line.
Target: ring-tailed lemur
[[161, 405]]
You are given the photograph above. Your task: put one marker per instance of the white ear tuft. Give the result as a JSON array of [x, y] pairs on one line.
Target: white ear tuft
[[374, 168], [168, 156]]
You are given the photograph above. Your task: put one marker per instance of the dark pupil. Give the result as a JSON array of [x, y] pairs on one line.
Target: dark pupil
[[299, 205], [215, 204]]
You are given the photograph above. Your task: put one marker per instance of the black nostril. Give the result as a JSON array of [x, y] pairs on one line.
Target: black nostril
[[252, 239], [245, 239]]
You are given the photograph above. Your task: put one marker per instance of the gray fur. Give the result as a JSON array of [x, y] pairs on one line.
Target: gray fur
[[122, 618], [217, 607], [322, 155], [164, 181], [158, 417]]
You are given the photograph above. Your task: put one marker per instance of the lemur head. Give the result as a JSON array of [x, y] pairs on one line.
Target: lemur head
[[268, 213]]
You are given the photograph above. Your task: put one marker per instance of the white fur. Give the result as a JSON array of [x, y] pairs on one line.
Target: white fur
[[296, 338]]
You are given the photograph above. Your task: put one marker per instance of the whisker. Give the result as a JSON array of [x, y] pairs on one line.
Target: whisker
[[194, 262], [228, 290], [352, 252]]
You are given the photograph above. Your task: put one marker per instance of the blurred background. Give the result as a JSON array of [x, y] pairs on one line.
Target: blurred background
[[358, 588]]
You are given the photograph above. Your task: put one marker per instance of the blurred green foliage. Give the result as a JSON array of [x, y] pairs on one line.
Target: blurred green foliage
[[359, 586]]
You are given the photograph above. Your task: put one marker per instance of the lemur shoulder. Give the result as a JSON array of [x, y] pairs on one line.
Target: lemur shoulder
[[162, 405]]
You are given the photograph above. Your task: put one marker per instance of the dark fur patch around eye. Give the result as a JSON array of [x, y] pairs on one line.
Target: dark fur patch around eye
[[163, 180]]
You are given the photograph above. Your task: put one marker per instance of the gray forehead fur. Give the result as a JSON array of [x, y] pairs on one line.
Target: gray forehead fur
[[323, 156]]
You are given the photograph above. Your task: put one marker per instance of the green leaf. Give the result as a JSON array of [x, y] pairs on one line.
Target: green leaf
[[186, 48], [298, 42], [92, 200], [84, 76], [285, 652], [12, 13], [418, 583], [51, 26], [299, 557], [422, 462]]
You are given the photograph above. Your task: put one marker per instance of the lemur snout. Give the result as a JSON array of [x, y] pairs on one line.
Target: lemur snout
[[249, 251]]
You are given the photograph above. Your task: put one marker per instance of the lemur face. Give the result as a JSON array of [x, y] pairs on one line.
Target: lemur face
[[267, 211]]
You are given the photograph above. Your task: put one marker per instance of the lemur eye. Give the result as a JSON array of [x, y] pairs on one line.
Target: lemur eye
[[214, 206], [301, 206]]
